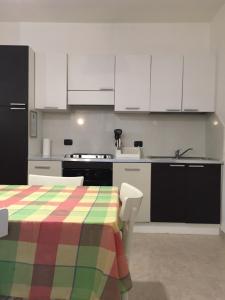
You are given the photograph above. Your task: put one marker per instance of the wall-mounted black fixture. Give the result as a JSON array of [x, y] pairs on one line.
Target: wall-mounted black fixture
[[68, 142], [138, 143]]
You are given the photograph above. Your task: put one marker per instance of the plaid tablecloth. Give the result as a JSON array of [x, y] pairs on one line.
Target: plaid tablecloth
[[63, 244]]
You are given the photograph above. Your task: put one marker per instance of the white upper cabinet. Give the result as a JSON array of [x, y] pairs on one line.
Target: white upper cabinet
[[132, 83], [166, 83], [91, 72], [199, 83], [50, 81], [91, 79]]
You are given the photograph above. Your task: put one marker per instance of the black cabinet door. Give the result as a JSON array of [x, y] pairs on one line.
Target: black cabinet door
[[13, 146], [13, 75], [203, 194], [168, 192]]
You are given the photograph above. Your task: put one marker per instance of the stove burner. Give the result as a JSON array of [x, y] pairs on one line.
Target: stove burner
[[89, 156]]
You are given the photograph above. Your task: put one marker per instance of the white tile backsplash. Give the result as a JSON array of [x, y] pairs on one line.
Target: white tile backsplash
[[162, 134]]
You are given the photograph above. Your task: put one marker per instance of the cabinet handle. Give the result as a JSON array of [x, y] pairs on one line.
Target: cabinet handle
[[17, 108], [42, 167], [17, 104], [132, 108], [132, 169], [51, 107], [106, 89], [196, 166], [177, 166], [191, 109], [171, 110]]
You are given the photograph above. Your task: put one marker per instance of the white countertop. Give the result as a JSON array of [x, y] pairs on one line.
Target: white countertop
[[141, 160]]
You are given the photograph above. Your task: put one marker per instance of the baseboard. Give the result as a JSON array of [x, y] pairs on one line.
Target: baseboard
[[177, 228]]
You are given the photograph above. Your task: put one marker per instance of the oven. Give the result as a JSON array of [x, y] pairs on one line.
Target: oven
[[94, 173]]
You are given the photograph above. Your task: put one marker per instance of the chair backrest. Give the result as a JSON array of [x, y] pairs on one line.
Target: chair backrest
[[131, 198], [54, 180], [3, 222]]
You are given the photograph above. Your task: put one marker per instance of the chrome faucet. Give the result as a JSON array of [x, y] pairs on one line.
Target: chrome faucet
[[179, 155]]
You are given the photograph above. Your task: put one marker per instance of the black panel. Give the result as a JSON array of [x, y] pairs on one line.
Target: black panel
[[203, 195], [95, 173], [168, 192], [13, 74], [14, 146]]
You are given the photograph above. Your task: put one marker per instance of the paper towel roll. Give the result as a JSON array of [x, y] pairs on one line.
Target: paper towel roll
[[46, 151]]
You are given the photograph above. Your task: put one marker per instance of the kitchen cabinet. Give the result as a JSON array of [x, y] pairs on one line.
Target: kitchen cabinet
[[166, 83], [203, 193], [137, 174], [51, 81], [167, 193], [185, 193], [199, 83], [91, 79], [14, 62], [16, 90], [45, 167], [132, 83]]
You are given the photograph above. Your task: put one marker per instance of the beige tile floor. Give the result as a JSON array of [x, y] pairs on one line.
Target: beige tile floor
[[177, 267]]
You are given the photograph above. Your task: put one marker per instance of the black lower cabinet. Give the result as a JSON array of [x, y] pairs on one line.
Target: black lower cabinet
[[167, 193], [185, 193], [203, 194]]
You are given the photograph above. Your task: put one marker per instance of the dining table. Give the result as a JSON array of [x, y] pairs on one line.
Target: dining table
[[63, 243]]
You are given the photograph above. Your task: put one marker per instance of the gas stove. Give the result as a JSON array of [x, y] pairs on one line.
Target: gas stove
[[89, 156]]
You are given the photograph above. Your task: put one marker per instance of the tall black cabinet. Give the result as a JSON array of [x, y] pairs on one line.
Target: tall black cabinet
[[14, 93]]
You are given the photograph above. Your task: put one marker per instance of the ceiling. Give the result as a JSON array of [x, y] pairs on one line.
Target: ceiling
[[109, 10]]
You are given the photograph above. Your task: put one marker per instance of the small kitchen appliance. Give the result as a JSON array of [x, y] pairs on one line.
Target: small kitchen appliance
[[118, 133]]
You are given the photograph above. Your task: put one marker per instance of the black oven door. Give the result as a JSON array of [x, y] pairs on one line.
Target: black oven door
[[94, 173]]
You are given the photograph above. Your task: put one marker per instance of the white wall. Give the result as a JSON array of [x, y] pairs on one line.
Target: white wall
[[162, 134], [9, 33], [116, 38]]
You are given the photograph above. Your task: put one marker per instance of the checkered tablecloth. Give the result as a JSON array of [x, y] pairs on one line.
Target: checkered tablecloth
[[63, 244]]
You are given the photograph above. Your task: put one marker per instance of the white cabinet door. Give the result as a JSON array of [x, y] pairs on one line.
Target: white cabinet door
[[166, 83], [139, 175], [90, 72], [50, 81], [199, 83], [45, 167], [132, 83]]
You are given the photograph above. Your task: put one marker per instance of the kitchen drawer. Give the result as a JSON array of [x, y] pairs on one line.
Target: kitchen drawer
[[138, 175], [91, 97], [48, 168]]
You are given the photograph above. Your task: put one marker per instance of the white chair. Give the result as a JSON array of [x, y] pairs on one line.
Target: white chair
[[54, 180], [131, 199], [3, 222]]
